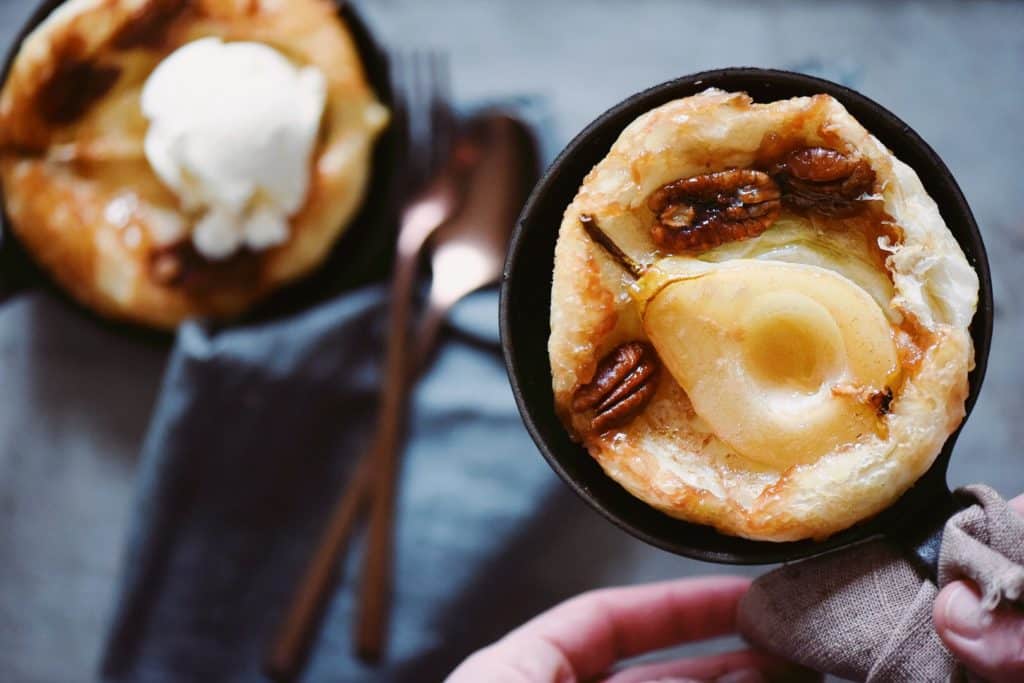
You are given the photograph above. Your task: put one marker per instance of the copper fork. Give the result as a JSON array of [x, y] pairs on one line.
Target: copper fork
[[468, 252], [431, 174]]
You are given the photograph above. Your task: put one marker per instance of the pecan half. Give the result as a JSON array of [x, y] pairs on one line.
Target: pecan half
[[705, 211], [824, 180], [622, 386]]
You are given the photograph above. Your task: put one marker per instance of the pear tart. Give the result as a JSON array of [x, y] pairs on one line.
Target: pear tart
[[87, 203], [759, 320]]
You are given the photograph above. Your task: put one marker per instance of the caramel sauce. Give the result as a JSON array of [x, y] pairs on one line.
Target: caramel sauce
[[74, 86], [181, 266], [80, 80], [775, 147], [868, 217], [912, 339], [148, 25]]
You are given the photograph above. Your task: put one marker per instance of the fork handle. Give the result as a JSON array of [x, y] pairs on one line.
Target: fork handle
[[375, 586], [294, 636], [291, 644], [427, 332]]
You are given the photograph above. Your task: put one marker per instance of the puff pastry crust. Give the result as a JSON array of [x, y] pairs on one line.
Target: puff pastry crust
[[668, 456]]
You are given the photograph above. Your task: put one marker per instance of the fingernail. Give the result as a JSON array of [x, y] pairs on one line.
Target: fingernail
[[965, 615], [742, 676]]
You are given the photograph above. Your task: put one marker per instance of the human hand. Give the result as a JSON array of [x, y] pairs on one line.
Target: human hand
[[990, 644], [582, 638]]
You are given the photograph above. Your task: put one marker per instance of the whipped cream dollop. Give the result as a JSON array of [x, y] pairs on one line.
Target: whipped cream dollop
[[232, 128]]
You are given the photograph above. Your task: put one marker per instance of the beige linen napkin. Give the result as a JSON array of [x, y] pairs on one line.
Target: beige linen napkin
[[865, 613]]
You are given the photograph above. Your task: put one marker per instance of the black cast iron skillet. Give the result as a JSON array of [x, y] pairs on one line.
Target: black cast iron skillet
[[914, 522], [361, 255]]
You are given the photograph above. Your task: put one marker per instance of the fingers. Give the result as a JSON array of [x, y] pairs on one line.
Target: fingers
[[515, 662], [583, 637], [745, 666], [596, 629], [1018, 504], [989, 643]]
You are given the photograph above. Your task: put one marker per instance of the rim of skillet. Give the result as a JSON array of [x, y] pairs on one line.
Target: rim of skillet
[[357, 239], [524, 363]]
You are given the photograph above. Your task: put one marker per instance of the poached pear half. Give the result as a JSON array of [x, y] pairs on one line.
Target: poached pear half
[[778, 358]]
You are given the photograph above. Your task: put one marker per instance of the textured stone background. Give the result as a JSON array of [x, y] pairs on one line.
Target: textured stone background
[[76, 399]]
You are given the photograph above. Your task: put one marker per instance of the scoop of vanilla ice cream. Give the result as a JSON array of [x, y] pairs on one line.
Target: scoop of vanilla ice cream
[[232, 128]]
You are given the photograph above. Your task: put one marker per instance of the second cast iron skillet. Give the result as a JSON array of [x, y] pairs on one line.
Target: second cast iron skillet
[[362, 254], [915, 521]]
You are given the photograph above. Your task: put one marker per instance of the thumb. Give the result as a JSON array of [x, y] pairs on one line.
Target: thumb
[[990, 644]]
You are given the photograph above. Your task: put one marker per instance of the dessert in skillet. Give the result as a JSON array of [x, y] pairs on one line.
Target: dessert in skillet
[[759, 320], [164, 159]]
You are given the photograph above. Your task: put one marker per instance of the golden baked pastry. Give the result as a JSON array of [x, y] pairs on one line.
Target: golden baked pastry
[[84, 198], [759, 320]]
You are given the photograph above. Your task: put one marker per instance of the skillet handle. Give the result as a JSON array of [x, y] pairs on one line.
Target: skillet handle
[[9, 284], [7, 288], [12, 271], [921, 538]]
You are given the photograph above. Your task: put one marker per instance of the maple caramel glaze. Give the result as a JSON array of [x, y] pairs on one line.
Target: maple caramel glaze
[[910, 336], [912, 340], [149, 25], [180, 265], [177, 265], [868, 216], [873, 224], [75, 85], [776, 146], [79, 81]]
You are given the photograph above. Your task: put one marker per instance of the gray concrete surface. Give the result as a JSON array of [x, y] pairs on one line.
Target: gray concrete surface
[[75, 398]]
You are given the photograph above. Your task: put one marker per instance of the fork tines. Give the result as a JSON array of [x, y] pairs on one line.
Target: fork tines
[[422, 87]]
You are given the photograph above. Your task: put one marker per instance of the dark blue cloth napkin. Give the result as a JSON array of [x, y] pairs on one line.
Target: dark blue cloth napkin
[[253, 436]]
